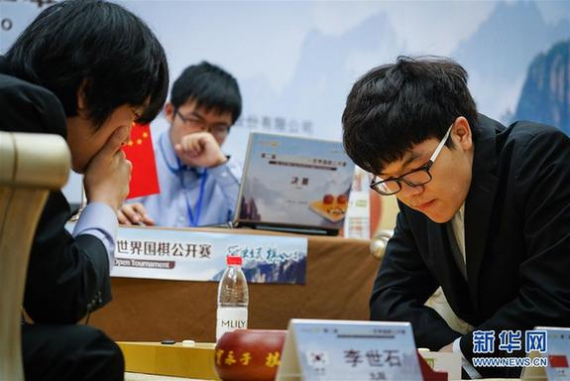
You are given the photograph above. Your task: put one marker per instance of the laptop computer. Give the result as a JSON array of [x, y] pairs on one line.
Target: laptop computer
[[294, 184]]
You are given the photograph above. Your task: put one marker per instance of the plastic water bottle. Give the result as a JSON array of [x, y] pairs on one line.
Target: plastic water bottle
[[233, 298]]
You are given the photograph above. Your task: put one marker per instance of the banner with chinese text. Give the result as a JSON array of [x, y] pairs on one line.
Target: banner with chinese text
[[178, 254]]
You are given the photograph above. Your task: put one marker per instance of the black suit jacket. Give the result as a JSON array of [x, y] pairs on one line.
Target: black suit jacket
[[517, 239], [67, 277]]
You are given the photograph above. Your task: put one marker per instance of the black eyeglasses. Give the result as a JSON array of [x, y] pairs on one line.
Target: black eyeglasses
[[417, 177], [218, 130]]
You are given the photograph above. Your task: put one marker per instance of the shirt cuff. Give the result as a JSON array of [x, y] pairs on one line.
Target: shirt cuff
[[465, 364], [225, 174], [99, 220]]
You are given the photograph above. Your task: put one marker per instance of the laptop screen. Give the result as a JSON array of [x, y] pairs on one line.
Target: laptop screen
[[294, 181]]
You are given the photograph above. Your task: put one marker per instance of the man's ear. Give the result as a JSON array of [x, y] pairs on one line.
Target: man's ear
[[462, 133], [169, 112]]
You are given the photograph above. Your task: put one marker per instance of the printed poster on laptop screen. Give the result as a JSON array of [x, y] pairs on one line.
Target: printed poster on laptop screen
[[296, 181]]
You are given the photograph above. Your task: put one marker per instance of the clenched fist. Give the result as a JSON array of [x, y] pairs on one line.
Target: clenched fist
[[200, 149]]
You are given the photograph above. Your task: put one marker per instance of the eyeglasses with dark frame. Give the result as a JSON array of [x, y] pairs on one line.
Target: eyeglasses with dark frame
[[417, 177], [219, 131]]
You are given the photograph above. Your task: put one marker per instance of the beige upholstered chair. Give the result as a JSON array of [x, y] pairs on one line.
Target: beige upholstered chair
[[30, 166]]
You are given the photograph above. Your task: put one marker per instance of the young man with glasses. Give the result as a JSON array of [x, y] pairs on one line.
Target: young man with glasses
[[484, 208], [198, 183]]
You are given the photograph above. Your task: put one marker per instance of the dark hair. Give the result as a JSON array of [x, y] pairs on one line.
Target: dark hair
[[396, 106], [210, 86], [98, 47]]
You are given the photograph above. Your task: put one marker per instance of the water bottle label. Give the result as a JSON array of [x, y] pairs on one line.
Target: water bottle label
[[229, 319]]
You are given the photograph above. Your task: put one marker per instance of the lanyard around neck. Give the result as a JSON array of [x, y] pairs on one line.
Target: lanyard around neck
[[194, 220], [179, 172]]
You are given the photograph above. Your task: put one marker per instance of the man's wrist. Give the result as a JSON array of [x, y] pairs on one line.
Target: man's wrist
[[223, 159], [105, 200]]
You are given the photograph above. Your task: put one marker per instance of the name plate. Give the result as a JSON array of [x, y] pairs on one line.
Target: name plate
[[553, 348], [348, 350], [558, 353]]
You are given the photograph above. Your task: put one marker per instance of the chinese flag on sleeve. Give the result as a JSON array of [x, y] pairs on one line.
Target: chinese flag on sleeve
[[139, 150]]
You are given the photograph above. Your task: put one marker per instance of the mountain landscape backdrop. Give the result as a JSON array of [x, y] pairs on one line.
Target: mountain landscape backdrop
[[296, 61], [545, 96]]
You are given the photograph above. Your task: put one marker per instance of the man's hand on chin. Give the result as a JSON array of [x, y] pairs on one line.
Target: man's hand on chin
[[200, 149]]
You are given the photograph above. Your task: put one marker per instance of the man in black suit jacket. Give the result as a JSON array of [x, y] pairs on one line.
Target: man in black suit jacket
[[85, 70], [484, 209]]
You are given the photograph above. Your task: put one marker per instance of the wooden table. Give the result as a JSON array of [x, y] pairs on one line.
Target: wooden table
[[339, 278], [129, 376]]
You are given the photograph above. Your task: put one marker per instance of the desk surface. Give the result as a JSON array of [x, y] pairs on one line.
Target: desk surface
[[151, 377], [339, 278]]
